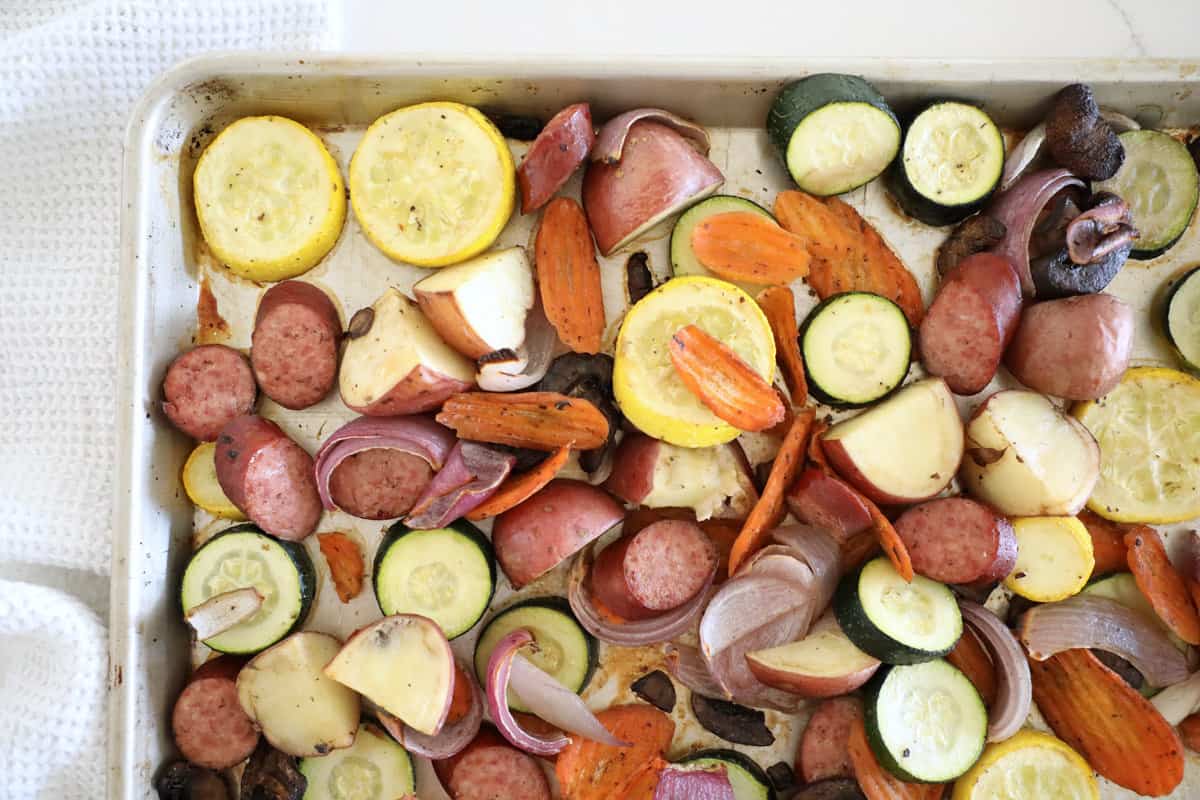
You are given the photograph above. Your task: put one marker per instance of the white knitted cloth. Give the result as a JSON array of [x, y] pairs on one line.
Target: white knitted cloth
[[70, 72]]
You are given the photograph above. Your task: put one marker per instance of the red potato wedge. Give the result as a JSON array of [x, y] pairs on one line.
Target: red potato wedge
[[395, 362], [479, 306], [1122, 736], [824, 746], [905, 449], [825, 663], [536, 535], [554, 156], [301, 711], [712, 481], [1025, 458], [294, 347], [1162, 585], [659, 173], [402, 644], [825, 501]]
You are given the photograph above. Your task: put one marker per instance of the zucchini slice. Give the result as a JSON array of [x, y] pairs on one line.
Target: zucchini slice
[[925, 722], [897, 622], [244, 556], [1182, 321], [373, 768], [833, 132], [683, 259], [564, 650], [748, 779], [950, 163], [857, 347], [447, 574], [1159, 182]]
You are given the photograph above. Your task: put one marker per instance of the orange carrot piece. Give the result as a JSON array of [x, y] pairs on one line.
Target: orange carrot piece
[[1194, 591], [859, 549], [769, 510], [569, 276], [1189, 732], [588, 770], [974, 662], [875, 781], [889, 540], [830, 240], [345, 564], [1163, 586], [643, 788], [780, 429], [726, 384], [460, 702], [816, 453], [1119, 732], [1108, 543], [779, 305], [741, 246], [521, 487]]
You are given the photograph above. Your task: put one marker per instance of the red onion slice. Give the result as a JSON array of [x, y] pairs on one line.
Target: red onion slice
[[1099, 623], [223, 611], [416, 435], [1014, 684], [543, 695], [1120, 123], [629, 634], [1177, 703], [453, 737], [1023, 155], [679, 782], [471, 475], [611, 140], [687, 666], [819, 550], [1018, 209]]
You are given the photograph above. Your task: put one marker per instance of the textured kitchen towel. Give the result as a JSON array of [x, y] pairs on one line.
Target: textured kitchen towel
[[70, 72], [53, 661]]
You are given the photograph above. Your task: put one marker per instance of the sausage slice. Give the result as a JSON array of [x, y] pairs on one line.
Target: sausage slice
[[824, 752], [208, 722], [659, 568], [294, 347], [380, 483], [956, 540], [207, 387], [489, 768]]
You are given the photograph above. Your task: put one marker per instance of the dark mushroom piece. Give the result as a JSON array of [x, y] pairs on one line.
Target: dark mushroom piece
[[656, 689], [516, 126], [271, 775], [1079, 138], [1128, 672], [973, 235], [782, 776], [186, 781], [732, 722], [831, 789], [1095, 243], [588, 377], [638, 278], [1194, 149]]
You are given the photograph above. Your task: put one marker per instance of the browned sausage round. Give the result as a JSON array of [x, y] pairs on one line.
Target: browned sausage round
[[380, 483], [294, 347], [659, 568], [269, 477], [956, 540], [823, 749], [490, 769], [819, 499], [207, 387], [210, 727], [966, 329], [1076, 348], [555, 155]]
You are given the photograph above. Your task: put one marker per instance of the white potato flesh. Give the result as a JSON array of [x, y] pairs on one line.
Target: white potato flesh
[[404, 665], [710, 480], [1026, 458], [300, 710]]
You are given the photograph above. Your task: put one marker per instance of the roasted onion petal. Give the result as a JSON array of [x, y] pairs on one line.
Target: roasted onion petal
[[1014, 684], [1084, 621], [417, 435], [681, 782], [499, 675], [628, 634], [611, 140], [1023, 155], [1177, 703], [1018, 209], [472, 474], [454, 736], [1101, 230]]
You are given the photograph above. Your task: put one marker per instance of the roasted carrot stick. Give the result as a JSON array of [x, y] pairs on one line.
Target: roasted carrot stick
[[521, 487], [970, 657], [1163, 586], [779, 305], [345, 563], [727, 385], [1108, 543], [875, 781], [741, 246]]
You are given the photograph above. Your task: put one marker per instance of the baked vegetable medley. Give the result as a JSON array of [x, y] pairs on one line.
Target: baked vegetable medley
[[783, 520]]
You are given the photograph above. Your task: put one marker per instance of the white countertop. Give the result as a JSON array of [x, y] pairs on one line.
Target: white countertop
[[986, 29]]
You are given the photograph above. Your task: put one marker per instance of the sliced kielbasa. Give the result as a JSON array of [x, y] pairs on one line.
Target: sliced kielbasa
[[380, 483], [970, 322], [824, 752], [207, 387], [208, 722], [294, 347], [659, 568], [555, 155], [269, 477], [824, 501], [956, 540], [489, 769]]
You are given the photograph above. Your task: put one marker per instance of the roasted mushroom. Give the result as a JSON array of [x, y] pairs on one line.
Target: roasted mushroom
[[638, 278], [185, 781], [1128, 672], [1092, 246], [516, 126], [973, 235], [732, 722], [588, 377], [1079, 138], [831, 789], [271, 775], [656, 689]]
